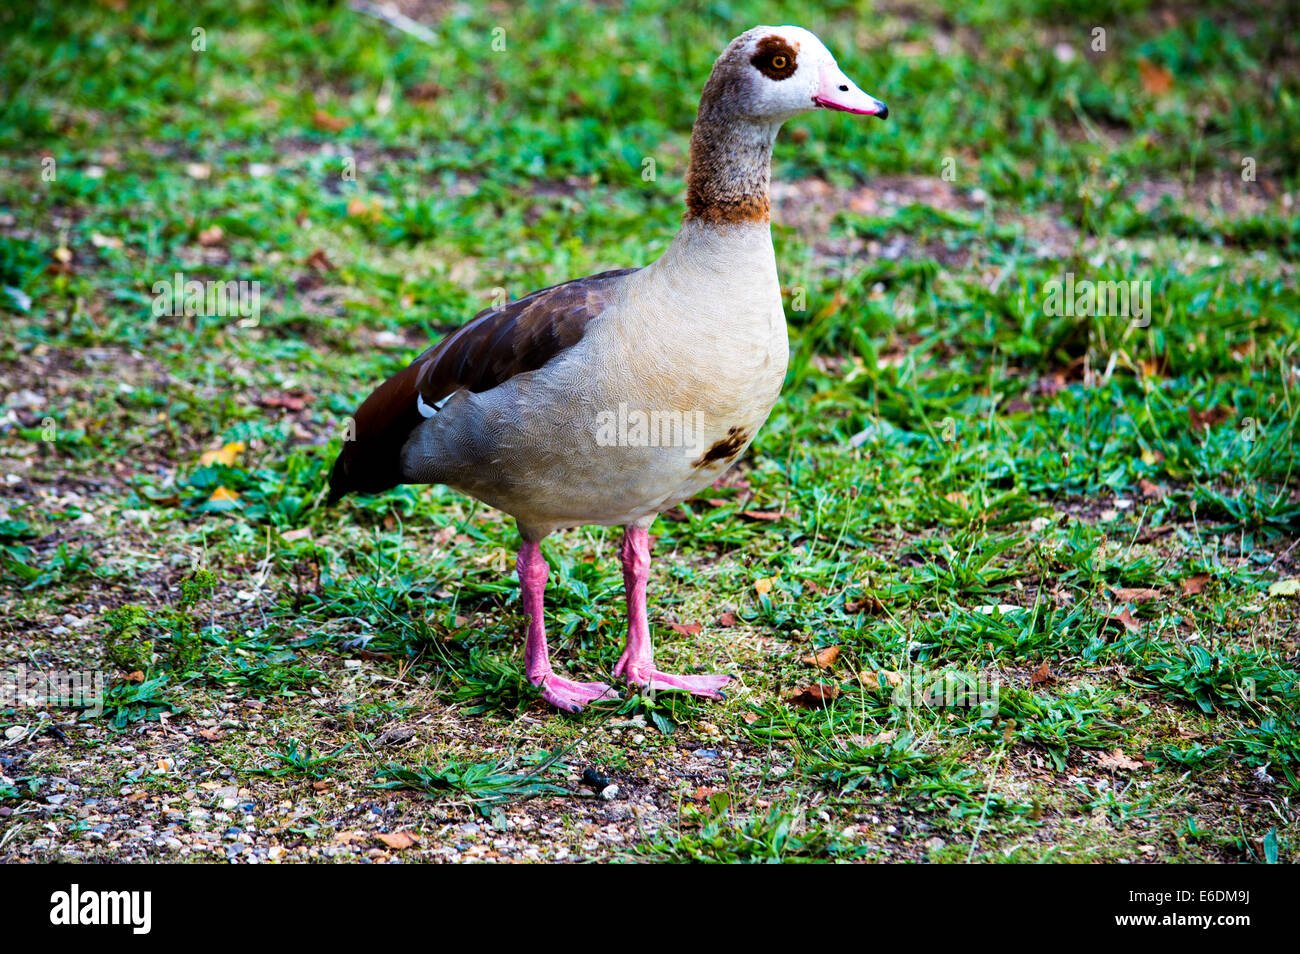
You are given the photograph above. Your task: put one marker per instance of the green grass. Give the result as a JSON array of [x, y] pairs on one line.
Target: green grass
[[484, 786], [970, 484]]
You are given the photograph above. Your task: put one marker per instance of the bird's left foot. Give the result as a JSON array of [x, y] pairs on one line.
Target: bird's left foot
[[648, 677]]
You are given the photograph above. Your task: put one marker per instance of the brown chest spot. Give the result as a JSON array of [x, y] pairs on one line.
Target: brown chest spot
[[726, 449]]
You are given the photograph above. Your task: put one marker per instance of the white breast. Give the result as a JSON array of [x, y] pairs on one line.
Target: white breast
[[705, 322], [699, 337]]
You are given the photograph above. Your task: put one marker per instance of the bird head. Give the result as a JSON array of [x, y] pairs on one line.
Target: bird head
[[770, 74]]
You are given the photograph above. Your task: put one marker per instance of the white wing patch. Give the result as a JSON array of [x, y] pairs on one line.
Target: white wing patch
[[428, 410]]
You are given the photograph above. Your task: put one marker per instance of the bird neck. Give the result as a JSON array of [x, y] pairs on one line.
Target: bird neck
[[728, 179]]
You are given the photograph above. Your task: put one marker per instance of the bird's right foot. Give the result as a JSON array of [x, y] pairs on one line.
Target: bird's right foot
[[573, 696]]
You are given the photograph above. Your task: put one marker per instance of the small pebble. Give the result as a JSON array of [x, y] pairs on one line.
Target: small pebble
[[609, 792]]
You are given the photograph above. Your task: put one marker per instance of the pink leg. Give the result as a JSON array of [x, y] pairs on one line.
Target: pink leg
[[558, 691], [637, 664]]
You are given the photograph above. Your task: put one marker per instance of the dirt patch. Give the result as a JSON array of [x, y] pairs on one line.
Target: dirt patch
[[811, 205]]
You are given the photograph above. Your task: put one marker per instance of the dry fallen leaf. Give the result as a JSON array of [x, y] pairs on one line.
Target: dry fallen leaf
[[1123, 620], [361, 209], [212, 235], [813, 696], [686, 629], [290, 402], [223, 494], [1117, 761], [1135, 595], [760, 515], [834, 305], [1155, 533], [327, 123], [1204, 420], [424, 92], [1042, 674], [397, 840], [228, 455], [823, 658], [320, 261], [727, 620], [302, 533], [869, 603], [1194, 584], [871, 679], [1156, 79], [1284, 588], [1152, 368], [1150, 490], [763, 586]]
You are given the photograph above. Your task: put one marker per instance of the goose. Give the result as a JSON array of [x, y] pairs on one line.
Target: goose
[[608, 399]]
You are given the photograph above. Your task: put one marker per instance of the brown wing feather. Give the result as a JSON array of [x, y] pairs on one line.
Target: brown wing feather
[[494, 346]]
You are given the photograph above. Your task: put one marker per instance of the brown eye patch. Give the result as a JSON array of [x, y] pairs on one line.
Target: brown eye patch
[[774, 58]]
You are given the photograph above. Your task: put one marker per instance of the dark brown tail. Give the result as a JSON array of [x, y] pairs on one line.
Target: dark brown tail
[[371, 459]]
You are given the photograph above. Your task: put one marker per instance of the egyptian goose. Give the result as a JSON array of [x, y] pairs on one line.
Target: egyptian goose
[[608, 399]]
